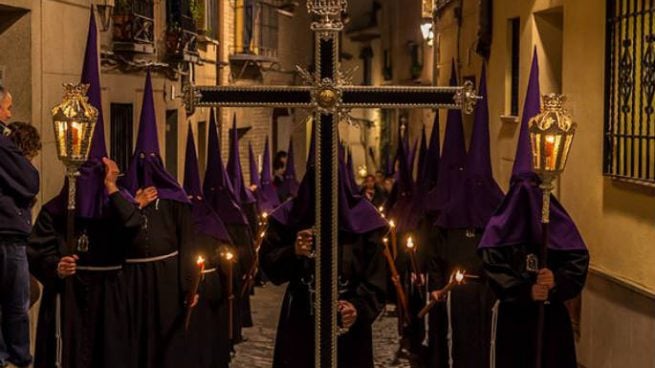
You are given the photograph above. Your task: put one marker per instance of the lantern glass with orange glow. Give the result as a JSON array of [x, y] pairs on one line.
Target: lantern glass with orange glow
[[74, 121], [551, 136]]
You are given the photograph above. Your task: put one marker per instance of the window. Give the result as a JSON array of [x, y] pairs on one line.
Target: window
[[134, 22], [211, 18], [171, 142], [121, 134], [629, 147], [256, 27], [514, 43]]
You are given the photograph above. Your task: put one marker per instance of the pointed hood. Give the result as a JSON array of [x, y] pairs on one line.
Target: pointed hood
[[389, 170], [146, 168], [433, 158], [289, 187], [482, 193], [243, 194], [91, 198], [217, 187], [451, 172], [267, 198], [400, 202], [356, 214], [205, 219], [531, 107], [412, 157], [254, 170], [517, 222]]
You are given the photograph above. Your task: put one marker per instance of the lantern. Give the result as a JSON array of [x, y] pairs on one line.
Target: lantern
[[105, 10], [74, 120], [551, 135]]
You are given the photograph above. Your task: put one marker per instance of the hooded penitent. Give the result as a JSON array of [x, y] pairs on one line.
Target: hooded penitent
[[289, 187], [217, 187], [518, 220], [91, 198], [243, 194], [451, 172], [266, 195], [481, 194], [254, 171], [400, 202], [146, 168], [205, 219]]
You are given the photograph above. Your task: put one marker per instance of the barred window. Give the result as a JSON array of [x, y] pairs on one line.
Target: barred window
[[256, 27], [629, 147]]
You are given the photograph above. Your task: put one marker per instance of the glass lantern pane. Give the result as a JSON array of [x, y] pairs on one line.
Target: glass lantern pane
[[567, 148], [60, 136], [536, 150], [550, 152]]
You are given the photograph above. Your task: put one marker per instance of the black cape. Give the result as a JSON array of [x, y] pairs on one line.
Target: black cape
[[517, 315], [156, 291], [463, 330], [94, 318], [208, 345], [362, 267]]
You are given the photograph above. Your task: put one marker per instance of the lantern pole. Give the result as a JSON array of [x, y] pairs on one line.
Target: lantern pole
[[551, 134], [71, 173]]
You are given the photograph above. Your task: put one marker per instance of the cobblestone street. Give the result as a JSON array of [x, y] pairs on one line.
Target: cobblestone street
[[257, 352]]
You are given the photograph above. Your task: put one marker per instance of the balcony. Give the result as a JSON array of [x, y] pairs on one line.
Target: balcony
[[181, 33], [256, 36], [133, 27]]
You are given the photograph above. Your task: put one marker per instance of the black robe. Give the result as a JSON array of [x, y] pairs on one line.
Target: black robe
[[156, 291], [467, 314], [242, 238], [362, 266], [515, 338], [94, 323], [208, 345]]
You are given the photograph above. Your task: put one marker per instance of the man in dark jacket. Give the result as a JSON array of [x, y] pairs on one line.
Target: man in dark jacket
[[19, 184]]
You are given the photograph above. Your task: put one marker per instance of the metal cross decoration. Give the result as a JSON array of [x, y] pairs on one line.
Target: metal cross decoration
[[330, 97]]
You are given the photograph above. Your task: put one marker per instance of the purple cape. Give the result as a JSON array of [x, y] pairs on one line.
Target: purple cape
[[205, 219], [217, 187], [91, 198], [147, 168], [518, 220], [243, 194], [267, 198], [350, 170], [451, 173], [356, 214]]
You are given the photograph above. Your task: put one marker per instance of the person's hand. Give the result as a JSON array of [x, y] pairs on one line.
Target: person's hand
[[539, 293], [195, 300], [348, 313], [438, 295], [146, 196], [67, 266], [253, 188], [418, 280], [305, 243], [111, 175], [546, 278]]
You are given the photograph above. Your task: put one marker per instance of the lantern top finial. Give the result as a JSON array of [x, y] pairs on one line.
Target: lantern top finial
[[553, 102]]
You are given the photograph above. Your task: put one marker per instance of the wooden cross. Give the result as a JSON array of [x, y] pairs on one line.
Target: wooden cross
[[330, 98]]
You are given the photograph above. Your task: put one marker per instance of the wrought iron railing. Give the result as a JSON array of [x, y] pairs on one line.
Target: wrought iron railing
[[181, 33], [134, 22], [629, 147]]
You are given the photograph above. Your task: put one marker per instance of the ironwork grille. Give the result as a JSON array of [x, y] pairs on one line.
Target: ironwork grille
[[629, 147]]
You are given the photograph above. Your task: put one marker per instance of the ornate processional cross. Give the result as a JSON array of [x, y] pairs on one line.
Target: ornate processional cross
[[330, 98]]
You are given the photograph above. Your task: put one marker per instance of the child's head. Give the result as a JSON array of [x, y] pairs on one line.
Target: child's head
[[26, 137]]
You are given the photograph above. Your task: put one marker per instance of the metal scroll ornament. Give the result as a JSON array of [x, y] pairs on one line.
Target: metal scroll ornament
[[328, 13]]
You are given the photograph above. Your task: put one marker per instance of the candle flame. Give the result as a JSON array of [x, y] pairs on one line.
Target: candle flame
[[410, 243], [550, 138], [262, 235], [264, 215], [385, 240], [392, 224], [381, 209], [459, 276], [200, 260], [229, 256]]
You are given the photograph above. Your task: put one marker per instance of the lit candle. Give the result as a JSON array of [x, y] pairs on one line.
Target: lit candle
[[401, 298], [200, 264], [75, 135], [549, 148], [411, 248], [456, 279], [394, 239], [230, 294]]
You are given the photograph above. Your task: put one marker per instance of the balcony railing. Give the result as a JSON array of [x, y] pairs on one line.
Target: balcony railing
[[134, 26], [256, 32]]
